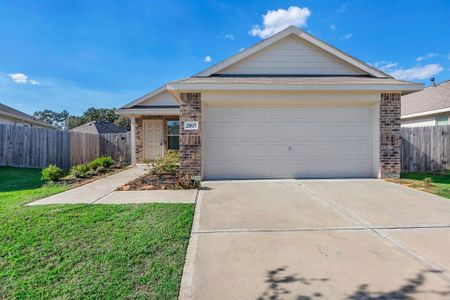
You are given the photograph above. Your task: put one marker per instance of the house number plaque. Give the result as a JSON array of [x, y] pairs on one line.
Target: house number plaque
[[190, 125]]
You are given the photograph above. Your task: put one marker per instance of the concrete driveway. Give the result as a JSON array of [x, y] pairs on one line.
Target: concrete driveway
[[327, 239]]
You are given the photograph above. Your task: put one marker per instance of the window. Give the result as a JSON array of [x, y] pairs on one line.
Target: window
[[442, 120], [173, 135]]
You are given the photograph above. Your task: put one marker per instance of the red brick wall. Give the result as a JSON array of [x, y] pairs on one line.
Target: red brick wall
[[190, 141], [390, 135]]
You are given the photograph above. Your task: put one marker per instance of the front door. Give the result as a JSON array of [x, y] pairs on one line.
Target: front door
[[153, 139]]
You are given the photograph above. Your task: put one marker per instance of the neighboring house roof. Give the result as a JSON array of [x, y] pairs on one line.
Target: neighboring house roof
[[289, 60], [432, 100], [98, 127], [15, 114]]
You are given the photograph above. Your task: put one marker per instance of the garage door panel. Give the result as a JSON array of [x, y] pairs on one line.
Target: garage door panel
[[287, 142]]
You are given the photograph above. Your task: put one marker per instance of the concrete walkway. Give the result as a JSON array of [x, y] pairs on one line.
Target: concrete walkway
[[157, 196], [306, 239], [94, 191]]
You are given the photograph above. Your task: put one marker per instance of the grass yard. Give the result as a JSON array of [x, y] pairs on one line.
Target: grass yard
[[440, 183], [87, 251]]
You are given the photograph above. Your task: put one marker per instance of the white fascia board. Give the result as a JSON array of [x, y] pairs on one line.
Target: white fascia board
[[303, 35], [426, 113], [145, 97], [294, 87], [148, 111]]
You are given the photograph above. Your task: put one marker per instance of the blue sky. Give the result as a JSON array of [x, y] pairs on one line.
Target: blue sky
[[77, 54]]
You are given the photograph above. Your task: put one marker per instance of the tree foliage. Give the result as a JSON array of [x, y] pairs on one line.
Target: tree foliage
[[66, 121]]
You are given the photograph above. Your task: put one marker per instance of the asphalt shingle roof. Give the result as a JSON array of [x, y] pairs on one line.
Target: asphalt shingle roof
[[98, 127], [431, 98]]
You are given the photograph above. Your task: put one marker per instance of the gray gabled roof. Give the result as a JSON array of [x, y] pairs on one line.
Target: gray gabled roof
[[98, 127], [21, 116], [430, 99]]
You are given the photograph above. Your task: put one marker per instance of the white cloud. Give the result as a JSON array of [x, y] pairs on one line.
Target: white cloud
[[276, 20], [413, 73], [385, 65], [418, 72], [229, 36], [342, 8], [22, 78], [207, 59], [426, 56], [332, 27], [58, 94], [348, 36]]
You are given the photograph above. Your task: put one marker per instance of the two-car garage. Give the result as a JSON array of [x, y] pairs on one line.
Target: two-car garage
[[288, 142]]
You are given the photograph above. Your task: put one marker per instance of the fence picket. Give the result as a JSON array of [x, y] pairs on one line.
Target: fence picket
[[34, 147]]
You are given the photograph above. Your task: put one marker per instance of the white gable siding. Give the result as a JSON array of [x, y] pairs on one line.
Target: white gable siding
[[163, 98], [292, 56]]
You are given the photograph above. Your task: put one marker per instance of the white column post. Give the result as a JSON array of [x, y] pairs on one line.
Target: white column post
[[133, 140]]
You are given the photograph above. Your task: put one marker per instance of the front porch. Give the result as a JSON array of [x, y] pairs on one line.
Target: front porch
[[154, 136]]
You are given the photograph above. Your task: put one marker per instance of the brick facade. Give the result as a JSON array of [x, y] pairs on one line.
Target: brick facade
[[190, 141], [140, 134], [390, 135]]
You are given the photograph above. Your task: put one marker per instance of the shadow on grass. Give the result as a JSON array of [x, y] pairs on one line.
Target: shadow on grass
[[17, 179], [279, 285]]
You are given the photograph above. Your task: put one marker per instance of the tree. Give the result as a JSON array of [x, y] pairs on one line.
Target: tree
[[59, 119], [66, 121]]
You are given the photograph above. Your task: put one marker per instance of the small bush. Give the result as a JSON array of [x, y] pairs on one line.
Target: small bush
[[189, 183], [103, 161], [52, 173], [428, 181], [79, 171], [170, 164]]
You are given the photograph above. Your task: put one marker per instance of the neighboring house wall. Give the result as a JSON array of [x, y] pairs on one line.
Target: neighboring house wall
[[426, 121], [6, 120], [290, 55]]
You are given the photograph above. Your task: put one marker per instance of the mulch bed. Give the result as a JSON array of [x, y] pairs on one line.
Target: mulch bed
[[76, 182], [152, 181]]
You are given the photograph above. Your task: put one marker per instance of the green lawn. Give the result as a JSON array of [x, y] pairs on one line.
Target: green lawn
[[440, 184], [87, 251]]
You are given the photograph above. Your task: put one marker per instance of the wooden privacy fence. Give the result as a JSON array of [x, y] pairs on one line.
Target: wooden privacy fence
[[33, 147], [425, 149]]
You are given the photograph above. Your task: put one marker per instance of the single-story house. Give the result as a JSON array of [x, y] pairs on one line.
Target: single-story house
[[98, 127], [9, 115], [430, 107], [291, 106]]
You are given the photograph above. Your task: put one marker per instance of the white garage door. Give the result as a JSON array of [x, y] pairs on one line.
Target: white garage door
[[287, 142]]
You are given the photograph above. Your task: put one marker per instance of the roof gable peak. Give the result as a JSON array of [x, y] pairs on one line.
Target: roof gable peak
[[302, 35]]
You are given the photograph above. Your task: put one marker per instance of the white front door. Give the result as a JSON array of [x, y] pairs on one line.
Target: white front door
[[153, 139], [292, 142]]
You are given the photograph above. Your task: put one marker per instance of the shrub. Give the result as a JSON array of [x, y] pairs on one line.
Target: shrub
[[103, 161], [52, 173], [170, 164], [189, 183], [79, 171], [428, 181]]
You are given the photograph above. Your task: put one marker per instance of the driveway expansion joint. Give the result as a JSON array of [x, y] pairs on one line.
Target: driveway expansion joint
[[426, 262]]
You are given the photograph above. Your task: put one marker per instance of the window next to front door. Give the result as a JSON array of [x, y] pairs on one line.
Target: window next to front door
[[441, 120], [173, 135]]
